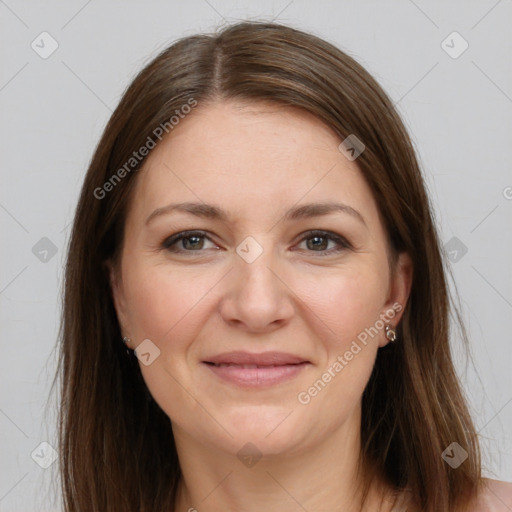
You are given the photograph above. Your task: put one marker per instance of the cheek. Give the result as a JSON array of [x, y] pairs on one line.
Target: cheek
[[165, 303], [168, 306], [172, 307], [349, 302]]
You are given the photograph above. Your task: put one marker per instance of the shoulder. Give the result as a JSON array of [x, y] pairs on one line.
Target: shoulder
[[495, 496]]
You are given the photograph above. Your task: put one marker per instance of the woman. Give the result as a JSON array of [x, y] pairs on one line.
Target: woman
[[256, 312]]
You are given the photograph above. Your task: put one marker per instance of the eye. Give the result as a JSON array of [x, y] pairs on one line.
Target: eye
[[318, 241], [191, 241], [194, 241]]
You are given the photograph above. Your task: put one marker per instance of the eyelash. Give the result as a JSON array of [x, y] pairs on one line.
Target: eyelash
[[343, 244]]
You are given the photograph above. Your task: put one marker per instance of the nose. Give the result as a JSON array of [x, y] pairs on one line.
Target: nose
[[257, 298]]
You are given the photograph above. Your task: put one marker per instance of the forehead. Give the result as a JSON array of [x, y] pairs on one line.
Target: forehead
[[250, 158]]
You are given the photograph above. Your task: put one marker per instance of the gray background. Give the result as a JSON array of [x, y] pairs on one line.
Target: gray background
[[458, 111]]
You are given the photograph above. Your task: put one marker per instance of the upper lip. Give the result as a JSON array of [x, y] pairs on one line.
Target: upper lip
[[261, 359]]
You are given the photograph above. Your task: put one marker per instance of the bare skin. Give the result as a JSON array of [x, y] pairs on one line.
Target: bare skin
[[253, 448], [496, 496]]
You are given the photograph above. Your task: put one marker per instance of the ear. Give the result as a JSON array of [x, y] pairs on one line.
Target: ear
[[118, 297], [399, 291]]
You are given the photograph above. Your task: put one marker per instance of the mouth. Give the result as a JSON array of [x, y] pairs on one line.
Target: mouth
[[256, 370], [249, 366]]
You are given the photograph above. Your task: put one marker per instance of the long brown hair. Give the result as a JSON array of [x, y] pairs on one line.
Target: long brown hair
[[117, 451]]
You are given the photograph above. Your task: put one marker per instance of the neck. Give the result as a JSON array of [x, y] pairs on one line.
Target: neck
[[323, 476]]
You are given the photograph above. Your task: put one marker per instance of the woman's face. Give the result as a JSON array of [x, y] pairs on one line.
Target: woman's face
[[263, 324]]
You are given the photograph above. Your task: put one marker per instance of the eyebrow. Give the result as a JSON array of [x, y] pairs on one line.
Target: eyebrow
[[304, 211]]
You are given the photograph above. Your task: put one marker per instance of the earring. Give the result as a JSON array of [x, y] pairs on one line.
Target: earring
[[127, 340], [390, 333]]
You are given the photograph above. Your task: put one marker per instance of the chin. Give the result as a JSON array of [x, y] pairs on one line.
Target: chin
[[272, 429]]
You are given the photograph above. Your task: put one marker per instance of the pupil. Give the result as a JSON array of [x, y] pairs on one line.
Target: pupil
[[196, 241], [193, 245], [321, 245]]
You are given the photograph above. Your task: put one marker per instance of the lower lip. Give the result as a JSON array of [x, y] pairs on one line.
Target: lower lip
[[257, 377]]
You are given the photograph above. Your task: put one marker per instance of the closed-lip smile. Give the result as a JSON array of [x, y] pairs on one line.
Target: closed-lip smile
[[249, 369]]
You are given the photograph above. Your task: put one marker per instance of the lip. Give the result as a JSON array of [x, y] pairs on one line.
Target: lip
[[261, 359], [256, 370]]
